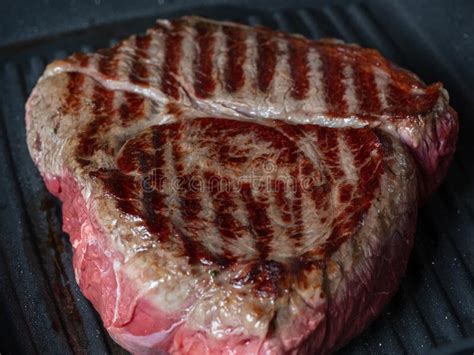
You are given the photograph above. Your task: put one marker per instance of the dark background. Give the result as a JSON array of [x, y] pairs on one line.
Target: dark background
[[41, 308]]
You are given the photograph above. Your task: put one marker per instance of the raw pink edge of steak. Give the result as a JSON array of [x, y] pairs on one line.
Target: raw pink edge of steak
[[435, 151], [141, 327], [131, 319]]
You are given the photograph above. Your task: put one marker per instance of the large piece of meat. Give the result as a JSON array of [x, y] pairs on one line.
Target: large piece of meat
[[237, 190]]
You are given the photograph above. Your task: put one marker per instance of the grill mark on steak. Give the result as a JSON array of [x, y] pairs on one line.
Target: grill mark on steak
[[138, 70], [218, 245], [266, 59], [296, 231], [224, 207], [153, 200], [122, 187], [398, 98], [81, 58], [102, 110], [204, 84], [74, 90], [135, 156], [146, 200], [132, 108], [190, 206], [259, 223], [281, 200], [298, 225], [172, 59], [368, 155], [108, 61], [328, 145], [407, 94], [345, 193], [236, 52], [291, 211], [129, 189], [299, 68], [158, 224], [333, 78], [366, 88]]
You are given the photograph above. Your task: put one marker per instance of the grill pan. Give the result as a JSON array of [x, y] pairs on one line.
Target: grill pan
[[41, 307]]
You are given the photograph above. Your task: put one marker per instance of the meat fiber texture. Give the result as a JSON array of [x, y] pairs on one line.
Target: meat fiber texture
[[257, 268]]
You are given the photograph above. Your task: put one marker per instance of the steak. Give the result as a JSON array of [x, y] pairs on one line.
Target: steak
[[233, 189]]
